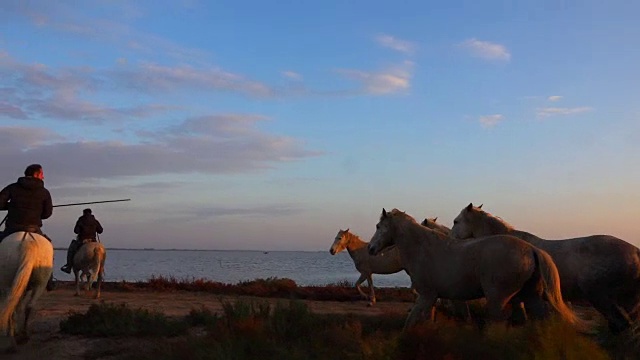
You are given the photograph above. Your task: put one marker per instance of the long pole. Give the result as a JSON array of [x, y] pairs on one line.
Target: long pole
[[75, 204], [92, 202]]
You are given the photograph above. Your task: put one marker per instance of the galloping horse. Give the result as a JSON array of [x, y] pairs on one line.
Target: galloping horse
[[386, 263], [90, 260], [432, 224], [26, 263], [458, 307], [601, 269], [502, 268]]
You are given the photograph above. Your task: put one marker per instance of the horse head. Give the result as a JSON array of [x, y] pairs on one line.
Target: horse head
[[385, 231], [467, 222], [340, 242]]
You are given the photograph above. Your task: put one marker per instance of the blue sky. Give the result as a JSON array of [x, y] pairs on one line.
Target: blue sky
[[272, 125]]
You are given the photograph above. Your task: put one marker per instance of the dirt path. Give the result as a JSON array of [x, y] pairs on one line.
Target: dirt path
[[48, 343]]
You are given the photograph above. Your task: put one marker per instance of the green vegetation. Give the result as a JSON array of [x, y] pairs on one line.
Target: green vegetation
[[288, 330], [270, 287], [106, 320]]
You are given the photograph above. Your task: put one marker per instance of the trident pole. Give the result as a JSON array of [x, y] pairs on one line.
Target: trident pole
[[75, 204]]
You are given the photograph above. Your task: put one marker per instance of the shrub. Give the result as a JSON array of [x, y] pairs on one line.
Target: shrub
[[119, 320]]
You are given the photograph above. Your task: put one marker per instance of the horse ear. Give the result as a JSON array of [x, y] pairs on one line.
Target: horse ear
[[347, 230], [470, 207], [384, 212], [435, 219], [480, 207]]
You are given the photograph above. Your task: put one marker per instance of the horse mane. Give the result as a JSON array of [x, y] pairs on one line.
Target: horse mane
[[495, 223], [349, 234], [399, 213]]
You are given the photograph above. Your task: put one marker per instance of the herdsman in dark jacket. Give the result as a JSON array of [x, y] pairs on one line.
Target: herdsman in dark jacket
[[28, 202], [87, 227]]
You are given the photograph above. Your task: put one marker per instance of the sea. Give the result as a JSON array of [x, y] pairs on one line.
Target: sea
[[304, 267]]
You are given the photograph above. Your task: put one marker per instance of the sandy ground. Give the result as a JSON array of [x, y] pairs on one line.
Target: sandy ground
[[48, 343]]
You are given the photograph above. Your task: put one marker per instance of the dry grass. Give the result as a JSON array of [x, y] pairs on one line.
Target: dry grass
[[289, 330]]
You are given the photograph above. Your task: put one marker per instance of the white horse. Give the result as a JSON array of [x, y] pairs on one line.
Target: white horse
[[26, 264], [455, 306], [502, 268], [384, 263], [90, 260], [601, 269], [433, 224]]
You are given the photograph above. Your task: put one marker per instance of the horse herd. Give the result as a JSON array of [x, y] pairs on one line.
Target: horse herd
[[482, 256], [26, 264]]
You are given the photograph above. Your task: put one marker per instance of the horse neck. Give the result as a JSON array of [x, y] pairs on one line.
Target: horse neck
[[492, 226], [495, 226], [354, 243], [417, 244], [443, 229]]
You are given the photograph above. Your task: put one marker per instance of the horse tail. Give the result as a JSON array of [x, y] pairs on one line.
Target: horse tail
[[552, 290], [28, 250]]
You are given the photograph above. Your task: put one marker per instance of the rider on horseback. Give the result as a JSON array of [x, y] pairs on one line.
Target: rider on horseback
[[87, 227], [28, 202]]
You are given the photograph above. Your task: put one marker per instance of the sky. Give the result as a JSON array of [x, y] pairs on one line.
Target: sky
[[272, 125]]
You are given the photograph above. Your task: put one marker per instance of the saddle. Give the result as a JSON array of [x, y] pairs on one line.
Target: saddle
[[27, 230]]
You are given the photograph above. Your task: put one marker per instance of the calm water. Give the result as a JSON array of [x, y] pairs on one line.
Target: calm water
[[305, 268]]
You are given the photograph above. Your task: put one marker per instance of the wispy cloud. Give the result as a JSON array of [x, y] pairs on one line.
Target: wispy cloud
[[389, 81], [72, 18], [554, 98], [32, 91], [292, 75], [489, 121], [553, 111], [215, 144], [11, 111], [486, 49], [150, 77], [394, 43]]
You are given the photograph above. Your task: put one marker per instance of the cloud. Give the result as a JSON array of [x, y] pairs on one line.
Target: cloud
[[11, 111], [33, 91], [554, 98], [150, 77], [489, 121], [292, 75], [553, 111], [392, 80], [391, 42], [486, 50], [78, 19], [216, 144]]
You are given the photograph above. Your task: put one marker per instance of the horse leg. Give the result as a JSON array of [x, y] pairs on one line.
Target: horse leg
[[616, 317], [89, 279], [630, 302], [360, 281], [100, 279], [77, 275], [496, 306], [27, 308], [422, 304], [372, 296]]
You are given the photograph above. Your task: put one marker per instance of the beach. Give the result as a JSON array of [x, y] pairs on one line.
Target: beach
[[47, 342]]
